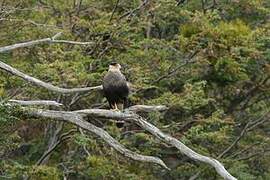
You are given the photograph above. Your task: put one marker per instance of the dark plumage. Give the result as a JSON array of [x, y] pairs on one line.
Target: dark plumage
[[115, 86]]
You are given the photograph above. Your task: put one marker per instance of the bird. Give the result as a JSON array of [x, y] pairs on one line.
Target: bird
[[115, 87]]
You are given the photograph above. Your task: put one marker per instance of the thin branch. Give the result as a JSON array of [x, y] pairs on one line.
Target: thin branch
[[44, 84], [41, 41], [244, 150], [114, 9], [180, 2], [244, 130], [234, 143], [72, 42], [249, 125], [253, 155], [134, 10], [53, 130], [84, 147], [265, 117], [48, 26], [188, 60], [25, 44], [63, 137], [37, 102], [145, 108]]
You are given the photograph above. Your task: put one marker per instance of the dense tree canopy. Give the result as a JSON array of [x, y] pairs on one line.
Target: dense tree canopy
[[208, 61]]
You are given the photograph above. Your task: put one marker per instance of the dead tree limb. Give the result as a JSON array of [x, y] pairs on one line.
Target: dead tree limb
[[145, 108], [37, 102], [76, 119], [41, 41], [45, 85], [159, 134], [62, 138]]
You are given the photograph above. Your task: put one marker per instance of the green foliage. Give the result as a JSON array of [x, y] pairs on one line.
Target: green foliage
[[18, 171], [8, 113], [228, 70], [211, 97], [192, 97]]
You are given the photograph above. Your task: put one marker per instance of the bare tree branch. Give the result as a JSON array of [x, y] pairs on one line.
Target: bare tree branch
[[53, 132], [37, 102], [62, 138], [41, 41], [44, 84], [159, 134], [76, 119], [145, 108], [71, 42]]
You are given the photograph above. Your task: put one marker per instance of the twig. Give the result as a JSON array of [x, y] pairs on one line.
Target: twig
[[54, 129], [243, 132], [145, 108], [188, 60], [249, 125], [134, 10], [114, 9], [259, 121], [180, 2], [63, 137], [253, 155], [244, 150], [84, 147], [72, 42]]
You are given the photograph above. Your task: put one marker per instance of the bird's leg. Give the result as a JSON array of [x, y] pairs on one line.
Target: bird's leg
[[115, 107], [111, 106]]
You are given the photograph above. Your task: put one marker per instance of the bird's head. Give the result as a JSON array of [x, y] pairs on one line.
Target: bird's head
[[114, 66]]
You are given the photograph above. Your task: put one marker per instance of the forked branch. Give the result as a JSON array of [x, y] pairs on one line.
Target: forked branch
[[130, 116], [76, 119]]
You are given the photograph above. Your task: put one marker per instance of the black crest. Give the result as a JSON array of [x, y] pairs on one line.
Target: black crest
[[113, 63]]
